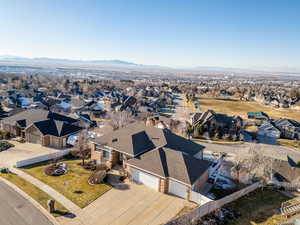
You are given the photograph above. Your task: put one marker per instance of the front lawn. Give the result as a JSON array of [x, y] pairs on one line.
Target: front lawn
[[73, 185], [37, 194], [258, 208]]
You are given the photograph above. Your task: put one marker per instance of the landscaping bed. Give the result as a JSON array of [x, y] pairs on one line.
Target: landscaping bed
[[5, 145], [73, 185], [40, 196]]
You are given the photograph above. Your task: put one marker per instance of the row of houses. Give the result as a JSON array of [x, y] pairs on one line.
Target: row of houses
[[153, 156], [280, 128]]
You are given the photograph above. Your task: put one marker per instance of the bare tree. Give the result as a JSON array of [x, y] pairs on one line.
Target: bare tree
[[253, 163], [120, 119], [82, 149]]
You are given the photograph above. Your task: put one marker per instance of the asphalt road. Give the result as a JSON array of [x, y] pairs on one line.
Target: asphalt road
[[16, 210]]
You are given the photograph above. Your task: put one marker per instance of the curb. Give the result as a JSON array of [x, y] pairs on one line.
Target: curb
[[32, 201]]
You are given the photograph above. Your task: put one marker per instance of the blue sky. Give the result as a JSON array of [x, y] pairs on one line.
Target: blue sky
[[245, 34]]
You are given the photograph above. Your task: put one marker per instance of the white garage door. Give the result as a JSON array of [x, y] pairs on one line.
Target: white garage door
[[144, 178], [177, 189]]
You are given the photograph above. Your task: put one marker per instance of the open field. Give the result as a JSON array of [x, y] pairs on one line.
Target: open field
[[73, 185], [33, 191], [258, 208], [235, 107]]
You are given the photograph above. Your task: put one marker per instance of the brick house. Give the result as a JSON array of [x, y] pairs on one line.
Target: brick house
[[155, 157], [42, 127]]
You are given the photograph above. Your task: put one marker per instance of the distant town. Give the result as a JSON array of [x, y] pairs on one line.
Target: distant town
[[150, 145]]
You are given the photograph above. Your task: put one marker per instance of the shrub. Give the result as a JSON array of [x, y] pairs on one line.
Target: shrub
[[4, 135], [97, 177], [55, 169], [5, 145]]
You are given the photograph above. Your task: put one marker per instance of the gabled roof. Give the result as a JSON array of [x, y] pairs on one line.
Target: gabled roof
[[166, 162], [286, 122], [56, 128], [31, 116]]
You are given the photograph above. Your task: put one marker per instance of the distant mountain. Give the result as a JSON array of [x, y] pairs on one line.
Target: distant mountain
[[114, 63], [69, 61]]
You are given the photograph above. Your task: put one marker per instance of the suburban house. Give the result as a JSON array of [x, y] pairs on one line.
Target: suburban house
[[42, 127], [269, 130], [217, 125], [155, 157], [289, 129]]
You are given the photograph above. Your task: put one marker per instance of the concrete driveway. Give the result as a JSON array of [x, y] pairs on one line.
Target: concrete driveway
[[16, 210], [22, 151], [131, 204]]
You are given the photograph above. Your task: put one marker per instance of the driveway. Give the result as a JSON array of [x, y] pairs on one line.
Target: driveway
[[22, 151], [130, 204], [16, 210]]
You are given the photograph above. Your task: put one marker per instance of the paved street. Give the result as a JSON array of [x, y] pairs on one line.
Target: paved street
[[181, 111], [16, 210], [275, 151]]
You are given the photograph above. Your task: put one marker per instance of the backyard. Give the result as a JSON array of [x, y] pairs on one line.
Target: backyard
[[40, 196], [73, 184], [258, 208], [236, 107]]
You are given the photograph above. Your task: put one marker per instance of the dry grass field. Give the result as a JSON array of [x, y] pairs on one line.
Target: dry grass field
[[258, 208], [235, 107]]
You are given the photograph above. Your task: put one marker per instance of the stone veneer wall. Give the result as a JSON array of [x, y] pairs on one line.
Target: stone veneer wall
[[163, 185]]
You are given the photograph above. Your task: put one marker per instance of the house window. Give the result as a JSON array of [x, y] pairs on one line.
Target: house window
[[105, 155]]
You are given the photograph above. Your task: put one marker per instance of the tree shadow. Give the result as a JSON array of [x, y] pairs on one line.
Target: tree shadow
[[65, 214], [115, 181]]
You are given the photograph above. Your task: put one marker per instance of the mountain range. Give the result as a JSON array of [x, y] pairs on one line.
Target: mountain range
[[125, 64]]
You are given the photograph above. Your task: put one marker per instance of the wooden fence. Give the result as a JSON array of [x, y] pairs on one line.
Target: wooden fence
[[211, 206], [199, 198]]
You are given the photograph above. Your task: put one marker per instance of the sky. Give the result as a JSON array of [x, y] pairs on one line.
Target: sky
[[177, 33]]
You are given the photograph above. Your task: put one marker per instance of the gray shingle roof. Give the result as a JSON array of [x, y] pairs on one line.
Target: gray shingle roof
[[56, 128], [167, 162], [136, 138], [47, 122], [31, 116]]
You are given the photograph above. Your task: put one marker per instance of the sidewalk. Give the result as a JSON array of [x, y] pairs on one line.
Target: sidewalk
[[73, 208], [31, 200]]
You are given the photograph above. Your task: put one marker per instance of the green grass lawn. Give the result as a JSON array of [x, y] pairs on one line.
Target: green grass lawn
[[73, 185], [258, 208], [40, 196]]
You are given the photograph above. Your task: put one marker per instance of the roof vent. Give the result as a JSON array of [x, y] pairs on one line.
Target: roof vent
[[115, 140]]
